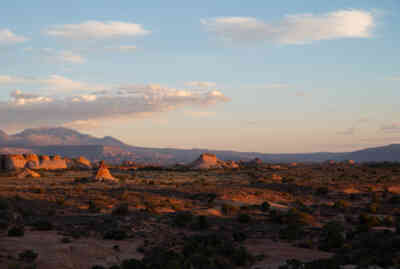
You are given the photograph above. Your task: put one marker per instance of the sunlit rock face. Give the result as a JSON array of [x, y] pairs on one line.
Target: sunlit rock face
[[79, 163], [210, 161], [103, 174], [31, 161]]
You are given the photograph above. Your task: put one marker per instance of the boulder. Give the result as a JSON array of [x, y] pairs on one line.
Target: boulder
[[231, 164], [44, 158], [14, 162], [26, 173], [103, 174], [32, 161], [84, 162], [207, 161], [53, 164], [56, 158]]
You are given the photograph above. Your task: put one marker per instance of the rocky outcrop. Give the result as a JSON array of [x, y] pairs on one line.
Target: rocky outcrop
[[82, 162], [26, 173], [53, 165], [44, 158], [79, 163], [31, 161], [210, 161], [206, 161], [231, 164], [103, 174], [13, 161]]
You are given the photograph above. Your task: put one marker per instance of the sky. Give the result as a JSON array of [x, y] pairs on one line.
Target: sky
[[263, 76]]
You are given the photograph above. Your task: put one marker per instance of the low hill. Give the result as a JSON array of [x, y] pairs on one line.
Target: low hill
[[71, 143]]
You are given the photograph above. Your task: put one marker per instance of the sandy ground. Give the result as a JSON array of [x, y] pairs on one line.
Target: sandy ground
[[276, 253], [79, 254]]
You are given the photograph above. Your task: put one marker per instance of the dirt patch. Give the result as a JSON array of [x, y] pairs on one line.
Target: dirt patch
[[78, 254], [276, 253]]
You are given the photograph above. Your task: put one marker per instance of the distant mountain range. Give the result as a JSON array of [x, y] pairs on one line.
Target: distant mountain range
[[71, 143]]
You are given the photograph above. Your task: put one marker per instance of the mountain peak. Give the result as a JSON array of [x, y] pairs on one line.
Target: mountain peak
[[52, 136], [3, 135]]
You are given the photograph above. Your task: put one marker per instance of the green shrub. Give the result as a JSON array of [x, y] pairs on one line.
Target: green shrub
[[182, 219], [93, 207], [16, 231], [373, 208], [121, 210], [132, 264], [98, 267], [230, 210], [265, 207], [322, 191], [332, 236], [201, 223], [295, 216], [28, 256], [366, 222], [341, 204], [115, 235], [244, 218], [4, 204], [395, 199], [43, 225]]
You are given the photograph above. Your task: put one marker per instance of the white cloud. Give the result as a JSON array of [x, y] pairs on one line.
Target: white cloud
[[25, 109], [199, 114], [60, 83], [123, 48], [348, 131], [83, 124], [396, 78], [7, 37], [295, 29], [201, 84], [11, 80], [391, 128], [53, 83], [20, 99], [70, 57], [97, 30], [267, 86]]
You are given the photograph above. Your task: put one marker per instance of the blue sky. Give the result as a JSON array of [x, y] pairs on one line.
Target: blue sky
[[280, 76]]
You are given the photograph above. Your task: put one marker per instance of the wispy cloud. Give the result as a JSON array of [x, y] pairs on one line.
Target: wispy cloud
[[97, 30], [199, 114], [294, 29], [391, 128], [26, 109], [201, 84], [265, 86], [396, 78], [7, 37], [70, 57], [355, 128], [123, 48], [4, 79], [53, 83], [348, 131], [60, 83]]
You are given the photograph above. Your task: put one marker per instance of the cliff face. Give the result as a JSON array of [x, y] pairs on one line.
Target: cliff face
[[32, 161]]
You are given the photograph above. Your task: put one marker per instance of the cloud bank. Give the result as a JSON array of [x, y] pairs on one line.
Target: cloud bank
[[294, 29], [391, 128], [7, 37], [130, 101], [97, 30], [53, 83]]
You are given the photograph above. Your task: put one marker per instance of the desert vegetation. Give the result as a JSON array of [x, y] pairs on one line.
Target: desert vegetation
[[327, 215]]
